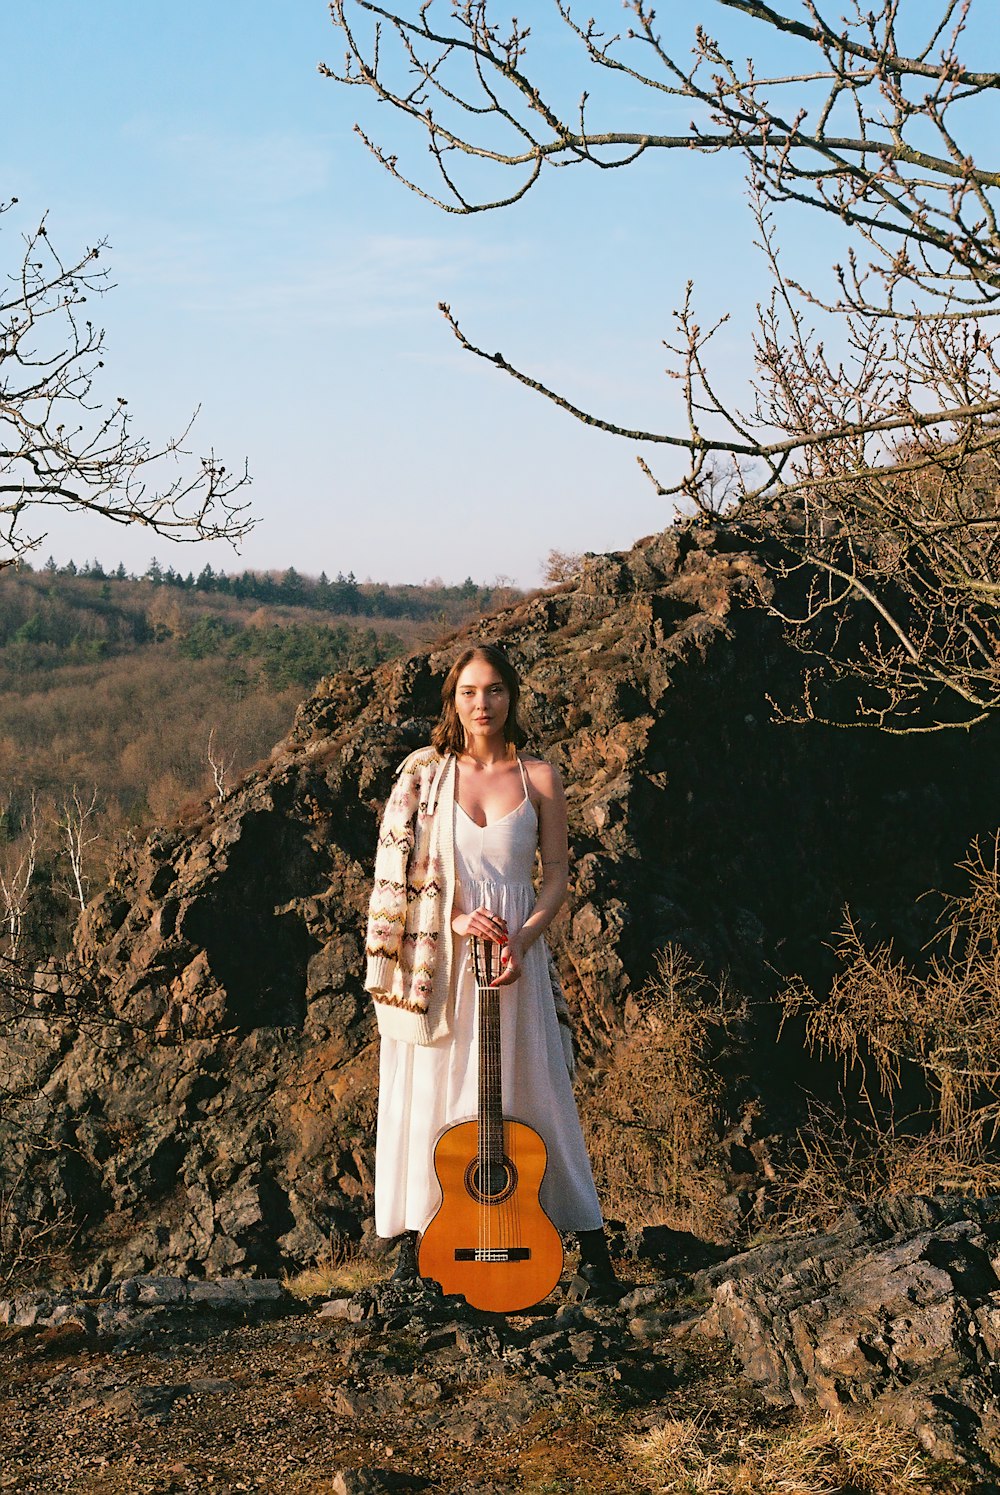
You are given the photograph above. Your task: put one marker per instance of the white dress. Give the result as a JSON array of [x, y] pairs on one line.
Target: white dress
[[424, 1088]]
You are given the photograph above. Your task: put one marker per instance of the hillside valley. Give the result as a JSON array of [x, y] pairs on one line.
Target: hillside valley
[[130, 698]]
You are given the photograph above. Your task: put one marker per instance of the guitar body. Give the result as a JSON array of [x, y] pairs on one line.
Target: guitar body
[[490, 1239]]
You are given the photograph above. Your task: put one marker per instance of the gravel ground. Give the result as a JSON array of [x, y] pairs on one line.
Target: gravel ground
[[389, 1390], [274, 1407]]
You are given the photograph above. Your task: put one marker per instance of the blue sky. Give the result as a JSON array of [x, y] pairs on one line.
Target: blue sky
[[268, 270]]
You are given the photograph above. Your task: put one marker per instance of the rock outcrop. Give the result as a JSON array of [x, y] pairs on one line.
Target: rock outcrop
[[197, 1089], [898, 1308]]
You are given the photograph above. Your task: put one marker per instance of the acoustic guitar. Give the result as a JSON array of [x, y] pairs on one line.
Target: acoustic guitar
[[490, 1239]]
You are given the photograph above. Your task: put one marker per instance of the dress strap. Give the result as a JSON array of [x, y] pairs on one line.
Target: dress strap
[[524, 779]]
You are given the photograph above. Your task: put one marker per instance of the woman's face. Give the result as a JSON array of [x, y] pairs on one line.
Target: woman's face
[[482, 700]]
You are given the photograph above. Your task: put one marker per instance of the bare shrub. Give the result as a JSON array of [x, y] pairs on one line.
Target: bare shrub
[[652, 1121], [503, 593], [895, 1025], [163, 795], [17, 871], [76, 819], [560, 566], [221, 767], [33, 1245], [837, 1161]]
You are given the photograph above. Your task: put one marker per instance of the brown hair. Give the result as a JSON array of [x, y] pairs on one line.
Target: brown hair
[[449, 734]]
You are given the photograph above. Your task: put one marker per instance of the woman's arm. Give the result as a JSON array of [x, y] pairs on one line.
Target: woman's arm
[[554, 847]]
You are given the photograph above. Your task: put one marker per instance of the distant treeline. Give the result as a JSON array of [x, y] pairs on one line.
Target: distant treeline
[[286, 654], [45, 627], [342, 595], [125, 701]]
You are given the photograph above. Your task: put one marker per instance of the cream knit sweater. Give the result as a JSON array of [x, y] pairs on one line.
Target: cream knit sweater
[[409, 947]]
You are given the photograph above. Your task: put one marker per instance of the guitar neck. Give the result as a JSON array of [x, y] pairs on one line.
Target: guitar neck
[[486, 964]]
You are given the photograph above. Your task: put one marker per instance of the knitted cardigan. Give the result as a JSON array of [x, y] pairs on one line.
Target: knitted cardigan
[[409, 948]]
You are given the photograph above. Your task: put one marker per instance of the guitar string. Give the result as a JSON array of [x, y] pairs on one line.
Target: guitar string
[[491, 1161], [491, 1113], [479, 1011], [498, 1126], [512, 1203], [508, 1209], [491, 1109], [500, 1223], [479, 1113], [486, 1179], [483, 1039], [505, 1210], [497, 1119], [482, 1080], [496, 1164], [482, 981], [496, 1104], [505, 1207]]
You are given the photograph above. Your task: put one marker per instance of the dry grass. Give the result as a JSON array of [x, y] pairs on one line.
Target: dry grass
[[652, 1124], [863, 1455], [345, 1271]]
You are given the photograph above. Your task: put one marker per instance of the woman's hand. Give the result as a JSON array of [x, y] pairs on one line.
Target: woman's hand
[[510, 962], [481, 922]]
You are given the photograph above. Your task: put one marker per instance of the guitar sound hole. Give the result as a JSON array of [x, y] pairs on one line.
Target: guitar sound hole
[[494, 1183]]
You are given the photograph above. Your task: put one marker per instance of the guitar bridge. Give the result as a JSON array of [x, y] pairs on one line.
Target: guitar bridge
[[492, 1253]]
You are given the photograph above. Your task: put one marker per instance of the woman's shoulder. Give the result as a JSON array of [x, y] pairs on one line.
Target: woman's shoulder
[[543, 774]]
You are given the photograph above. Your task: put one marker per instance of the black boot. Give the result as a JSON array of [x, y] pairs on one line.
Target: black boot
[[406, 1261], [595, 1280]]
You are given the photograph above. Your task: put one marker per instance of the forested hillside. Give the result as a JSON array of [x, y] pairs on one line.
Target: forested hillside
[[123, 699]]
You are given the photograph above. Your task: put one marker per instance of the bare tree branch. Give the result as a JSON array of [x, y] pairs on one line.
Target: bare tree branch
[[74, 819], [872, 471], [469, 85], [64, 445], [220, 765], [16, 885]]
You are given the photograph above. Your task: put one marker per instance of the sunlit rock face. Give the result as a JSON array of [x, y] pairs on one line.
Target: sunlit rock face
[[208, 1073]]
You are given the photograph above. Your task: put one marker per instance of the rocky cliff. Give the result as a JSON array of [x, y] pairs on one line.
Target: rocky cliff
[[198, 1090]]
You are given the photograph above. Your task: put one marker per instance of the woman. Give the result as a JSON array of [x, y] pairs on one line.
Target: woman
[[455, 859]]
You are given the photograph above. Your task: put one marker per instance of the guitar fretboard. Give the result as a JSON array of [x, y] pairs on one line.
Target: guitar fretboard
[[486, 963]]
